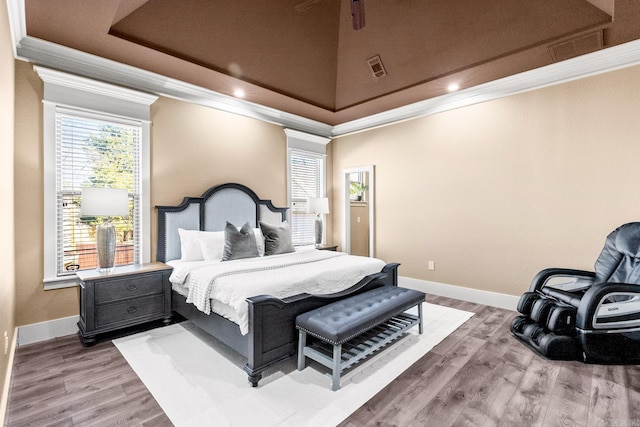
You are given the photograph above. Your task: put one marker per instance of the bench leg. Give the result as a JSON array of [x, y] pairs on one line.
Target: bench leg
[[337, 362], [302, 342], [420, 318]]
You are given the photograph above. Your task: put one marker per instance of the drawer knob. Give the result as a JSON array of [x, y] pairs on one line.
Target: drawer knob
[[132, 309], [132, 287]]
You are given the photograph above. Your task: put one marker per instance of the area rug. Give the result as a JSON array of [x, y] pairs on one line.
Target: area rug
[[199, 382]]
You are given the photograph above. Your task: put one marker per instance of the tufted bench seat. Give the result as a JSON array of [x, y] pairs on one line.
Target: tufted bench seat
[[359, 325]]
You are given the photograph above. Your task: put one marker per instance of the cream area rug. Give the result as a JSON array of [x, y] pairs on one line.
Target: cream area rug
[[200, 382]]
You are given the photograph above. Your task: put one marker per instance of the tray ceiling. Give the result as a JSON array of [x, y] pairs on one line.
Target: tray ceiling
[[304, 57]]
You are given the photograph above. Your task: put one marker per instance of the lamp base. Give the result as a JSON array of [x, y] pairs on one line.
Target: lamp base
[[318, 230], [106, 246]]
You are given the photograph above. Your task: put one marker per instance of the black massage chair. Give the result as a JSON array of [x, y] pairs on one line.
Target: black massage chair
[[590, 316]]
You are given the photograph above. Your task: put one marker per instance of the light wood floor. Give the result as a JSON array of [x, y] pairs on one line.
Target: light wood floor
[[478, 376]]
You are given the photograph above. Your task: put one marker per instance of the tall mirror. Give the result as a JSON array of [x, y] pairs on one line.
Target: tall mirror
[[358, 226]]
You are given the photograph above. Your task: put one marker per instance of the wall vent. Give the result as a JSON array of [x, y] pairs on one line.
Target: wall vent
[[577, 46], [376, 66]]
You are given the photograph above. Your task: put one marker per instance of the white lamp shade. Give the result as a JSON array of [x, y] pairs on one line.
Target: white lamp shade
[[318, 205], [105, 202]]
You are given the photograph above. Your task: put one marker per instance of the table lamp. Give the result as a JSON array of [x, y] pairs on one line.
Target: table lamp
[[105, 202], [318, 206]]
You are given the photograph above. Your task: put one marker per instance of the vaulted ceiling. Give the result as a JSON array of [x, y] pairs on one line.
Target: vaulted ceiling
[[304, 57]]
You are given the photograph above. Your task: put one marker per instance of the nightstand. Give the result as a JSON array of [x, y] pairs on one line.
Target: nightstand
[[327, 247], [128, 296]]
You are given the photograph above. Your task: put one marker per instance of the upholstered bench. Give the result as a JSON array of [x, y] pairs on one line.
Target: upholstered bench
[[356, 327]]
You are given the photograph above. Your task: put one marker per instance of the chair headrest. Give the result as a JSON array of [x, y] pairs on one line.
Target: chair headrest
[[627, 239], [619, 260]]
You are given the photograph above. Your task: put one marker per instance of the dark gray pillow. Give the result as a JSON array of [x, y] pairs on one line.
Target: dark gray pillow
[[277, 238], [239, 244]]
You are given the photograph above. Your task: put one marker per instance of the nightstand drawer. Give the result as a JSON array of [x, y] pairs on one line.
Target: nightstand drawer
[[119, 289], [127, 296], [125, 311]]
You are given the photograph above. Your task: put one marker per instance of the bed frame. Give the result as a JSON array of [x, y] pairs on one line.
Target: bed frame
[[272, 336]]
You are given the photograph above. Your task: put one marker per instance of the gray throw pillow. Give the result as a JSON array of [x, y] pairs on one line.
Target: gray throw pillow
[[277, 238], [239, 243]]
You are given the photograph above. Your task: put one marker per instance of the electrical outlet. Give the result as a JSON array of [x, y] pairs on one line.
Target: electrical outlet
[[6, 342], [431, 265]]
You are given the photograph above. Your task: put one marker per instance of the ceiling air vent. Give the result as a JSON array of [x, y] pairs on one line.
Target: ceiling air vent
[[376, 66], [577, 46]]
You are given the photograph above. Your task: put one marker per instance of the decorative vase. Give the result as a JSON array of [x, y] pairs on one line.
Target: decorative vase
[[318, 230], [106, 246]]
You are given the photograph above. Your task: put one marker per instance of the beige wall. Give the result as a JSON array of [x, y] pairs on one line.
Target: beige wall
[[33, 304], [492, 193], [192, 149], [7, 250], [359, 228], [497, 191]]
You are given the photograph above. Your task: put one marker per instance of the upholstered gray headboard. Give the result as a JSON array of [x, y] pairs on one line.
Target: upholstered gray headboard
[[231, 202]]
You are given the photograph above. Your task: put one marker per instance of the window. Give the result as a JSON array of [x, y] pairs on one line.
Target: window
[[307, 176], [95, 135], [357, 187], [95, 151], [306, 179]]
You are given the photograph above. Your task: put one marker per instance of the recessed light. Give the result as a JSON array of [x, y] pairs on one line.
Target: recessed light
[[453, 87], [238, 93]]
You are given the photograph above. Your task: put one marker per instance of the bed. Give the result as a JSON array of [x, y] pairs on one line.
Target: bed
[[263, 326]]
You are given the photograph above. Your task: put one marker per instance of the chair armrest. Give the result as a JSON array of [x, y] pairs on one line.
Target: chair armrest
[[593, 314], [570, 298], [540, 280]]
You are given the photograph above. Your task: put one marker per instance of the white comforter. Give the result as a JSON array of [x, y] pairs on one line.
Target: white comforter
[[232, 282]]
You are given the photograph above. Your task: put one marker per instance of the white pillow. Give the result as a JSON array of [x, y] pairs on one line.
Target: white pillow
[[190, 245], [196, 245], [211, 245], [259, 241]]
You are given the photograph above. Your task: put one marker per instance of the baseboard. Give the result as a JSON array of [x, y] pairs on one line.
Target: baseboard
[[43, 331], [494, 299], [6, 388]]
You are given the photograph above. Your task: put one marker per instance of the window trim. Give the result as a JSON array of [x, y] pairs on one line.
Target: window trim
[[308, 145], [79, 93]]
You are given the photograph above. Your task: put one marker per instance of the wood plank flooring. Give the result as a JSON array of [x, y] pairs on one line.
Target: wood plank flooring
[[481, 376], [61, 383], [478, 376]]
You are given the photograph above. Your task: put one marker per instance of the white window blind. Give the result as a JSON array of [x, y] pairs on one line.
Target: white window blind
[[94, 150], [307, 176]]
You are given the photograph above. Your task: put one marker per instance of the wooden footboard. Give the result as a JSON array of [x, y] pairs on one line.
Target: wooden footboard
[[272, 335]]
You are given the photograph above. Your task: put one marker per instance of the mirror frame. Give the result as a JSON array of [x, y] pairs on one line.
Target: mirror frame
[[346, 211]]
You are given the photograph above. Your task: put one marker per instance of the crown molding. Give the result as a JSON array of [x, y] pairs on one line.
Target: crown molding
[[55, 56], [51, 55], [602, 61], [17, 22]]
